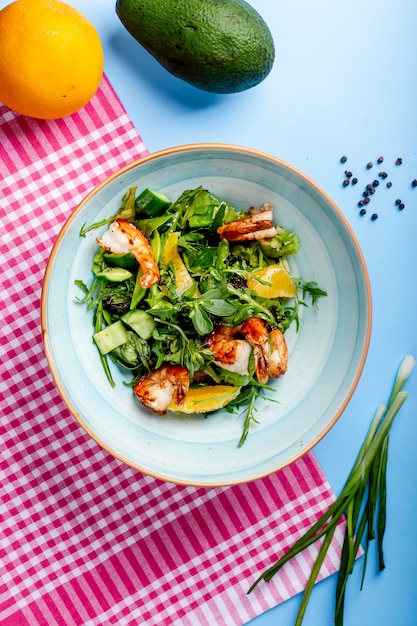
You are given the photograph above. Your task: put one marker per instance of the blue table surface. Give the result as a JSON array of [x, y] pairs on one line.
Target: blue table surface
[[343, 83]]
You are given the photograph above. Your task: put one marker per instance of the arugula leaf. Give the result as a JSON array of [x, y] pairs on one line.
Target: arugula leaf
[[311, 288]]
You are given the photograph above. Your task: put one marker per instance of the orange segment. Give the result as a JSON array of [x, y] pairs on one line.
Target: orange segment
[[280, 283], [183, 280], [205, 399]]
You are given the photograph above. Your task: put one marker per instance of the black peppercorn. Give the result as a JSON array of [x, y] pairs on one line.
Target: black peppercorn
[[361, 203], [348, 174], [398, 161], [383, 175], [355, 180], [389, 184], [346, 182], [375, 183], [369, 165], [367, 200], [369, 186], [401, 206], [371, 191], [380, 159], [398, 201], [374, 216], [343, 159], [413, 184], [365, 194], [362, 212]]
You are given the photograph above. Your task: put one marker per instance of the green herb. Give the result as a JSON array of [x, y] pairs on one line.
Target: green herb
[[85, 229], [311, 288], [251, 396], [362, 501]]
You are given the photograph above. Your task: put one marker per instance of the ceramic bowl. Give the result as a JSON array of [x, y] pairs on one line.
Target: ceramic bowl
[[327, 354]]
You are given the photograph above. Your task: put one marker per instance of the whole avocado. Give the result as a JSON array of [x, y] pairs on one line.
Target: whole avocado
[[222, 46]]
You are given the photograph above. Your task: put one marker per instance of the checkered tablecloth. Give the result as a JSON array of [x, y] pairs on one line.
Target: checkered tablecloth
[[85, 539]]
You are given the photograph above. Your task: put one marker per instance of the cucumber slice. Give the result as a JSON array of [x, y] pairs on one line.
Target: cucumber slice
[[114, 274], [110, 337], [141, 322], [152, 202], [121, 259]]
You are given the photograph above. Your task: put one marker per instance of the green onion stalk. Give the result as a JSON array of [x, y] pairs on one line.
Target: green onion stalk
[[362, 502]]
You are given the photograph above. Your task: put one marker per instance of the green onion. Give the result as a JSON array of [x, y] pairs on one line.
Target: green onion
[[362, 501]]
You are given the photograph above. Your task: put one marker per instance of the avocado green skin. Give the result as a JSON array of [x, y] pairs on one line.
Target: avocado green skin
[[222, 46]]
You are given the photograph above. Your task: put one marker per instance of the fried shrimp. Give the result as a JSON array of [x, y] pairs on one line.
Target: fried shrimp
[[156, 389], [278, 361], [230, 352], [123, 236], [257, 225], [256, 334], [232, 347]]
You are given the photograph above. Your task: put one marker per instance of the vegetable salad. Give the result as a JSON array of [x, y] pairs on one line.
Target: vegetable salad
[[193, 298]]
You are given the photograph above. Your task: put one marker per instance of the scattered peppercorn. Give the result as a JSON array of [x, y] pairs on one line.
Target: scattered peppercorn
[[370, 188]]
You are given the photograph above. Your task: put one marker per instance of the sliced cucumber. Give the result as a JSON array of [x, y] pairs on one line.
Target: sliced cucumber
[[114, 274], [121, 259], [141, 322], [110, 337], [152, 202]]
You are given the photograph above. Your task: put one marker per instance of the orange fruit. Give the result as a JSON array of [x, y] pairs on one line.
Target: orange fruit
[[51, 58], [183, 280], [280, 283], [205, 399]]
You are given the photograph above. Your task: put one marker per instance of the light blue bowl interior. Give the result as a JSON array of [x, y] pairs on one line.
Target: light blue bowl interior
[[326, 355]]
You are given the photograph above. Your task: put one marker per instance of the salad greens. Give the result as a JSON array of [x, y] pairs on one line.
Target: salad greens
[[203, 281]]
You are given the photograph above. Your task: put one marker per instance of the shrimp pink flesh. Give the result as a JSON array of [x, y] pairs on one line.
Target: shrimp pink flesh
[[158, 388], [279, 354], [257, 225], [232, 346], [256, 334], [230, 352], [123, 236]]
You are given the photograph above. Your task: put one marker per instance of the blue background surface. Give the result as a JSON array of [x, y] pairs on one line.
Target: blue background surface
[[344, 82]]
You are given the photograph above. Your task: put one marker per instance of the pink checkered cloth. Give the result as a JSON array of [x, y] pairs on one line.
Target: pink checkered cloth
[[84, 538]]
